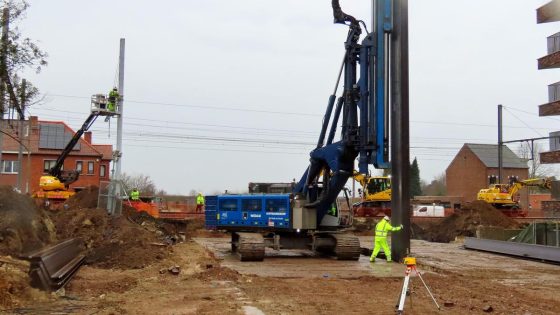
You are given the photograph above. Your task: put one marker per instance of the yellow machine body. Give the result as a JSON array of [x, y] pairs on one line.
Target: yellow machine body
[[50, 183], [505, 195], [375, 188]]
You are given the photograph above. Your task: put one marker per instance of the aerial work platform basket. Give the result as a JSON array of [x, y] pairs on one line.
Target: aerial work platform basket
[[99, 104]]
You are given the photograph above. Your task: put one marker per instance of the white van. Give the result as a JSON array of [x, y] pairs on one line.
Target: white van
[[428, 211]]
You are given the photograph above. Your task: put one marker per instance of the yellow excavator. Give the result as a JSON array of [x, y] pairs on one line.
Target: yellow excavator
[[504, 196], [376, 196]]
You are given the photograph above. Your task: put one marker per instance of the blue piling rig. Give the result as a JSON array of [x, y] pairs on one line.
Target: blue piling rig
[[308, 220]]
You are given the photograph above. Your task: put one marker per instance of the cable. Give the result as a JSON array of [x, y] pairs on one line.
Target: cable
[[201, 107], [523, 122]]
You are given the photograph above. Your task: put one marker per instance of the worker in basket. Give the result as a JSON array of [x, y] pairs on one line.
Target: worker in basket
[[381, 230], [113, 97], [135, 195], [199, 203]]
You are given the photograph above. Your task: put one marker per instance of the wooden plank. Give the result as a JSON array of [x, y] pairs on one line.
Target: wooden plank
[[549, 12], [550, 109], [550, 157], [551, 61]]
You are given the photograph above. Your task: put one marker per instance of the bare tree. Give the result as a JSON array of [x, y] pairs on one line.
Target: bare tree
[[142, 182], [531, 154], [21, 53], [437, 187]]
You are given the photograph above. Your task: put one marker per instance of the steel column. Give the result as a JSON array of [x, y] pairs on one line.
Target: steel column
[[400, 142], [500, 143]]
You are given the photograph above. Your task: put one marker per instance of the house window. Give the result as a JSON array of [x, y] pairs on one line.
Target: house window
[[90, 167], [47, 165], [10, 167], [79, 166], [102, 170]]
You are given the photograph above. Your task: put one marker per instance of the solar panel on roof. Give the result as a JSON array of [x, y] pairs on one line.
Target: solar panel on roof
[[54, 137]]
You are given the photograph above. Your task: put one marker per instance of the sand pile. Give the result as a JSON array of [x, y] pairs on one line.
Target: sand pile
[[464, 222], [23, 226]]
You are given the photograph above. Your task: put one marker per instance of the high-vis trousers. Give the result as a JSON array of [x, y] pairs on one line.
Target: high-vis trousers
[[381, 242]]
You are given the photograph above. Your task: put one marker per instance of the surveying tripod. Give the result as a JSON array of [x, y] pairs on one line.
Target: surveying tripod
[[410, 263]]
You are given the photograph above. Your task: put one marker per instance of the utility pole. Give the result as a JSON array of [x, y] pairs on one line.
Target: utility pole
[[400, 130], [117, 176], [20, 136], [3, 70], [500, 144]]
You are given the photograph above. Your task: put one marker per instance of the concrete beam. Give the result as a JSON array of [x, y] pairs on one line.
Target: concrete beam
[[550, 109], [550, 157], [549, 12], [551, 61]]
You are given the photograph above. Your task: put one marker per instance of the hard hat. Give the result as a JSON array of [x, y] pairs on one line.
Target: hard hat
[[387, 218]]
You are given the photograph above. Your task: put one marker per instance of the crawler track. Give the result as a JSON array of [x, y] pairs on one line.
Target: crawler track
[[347, 247], [248, 246]]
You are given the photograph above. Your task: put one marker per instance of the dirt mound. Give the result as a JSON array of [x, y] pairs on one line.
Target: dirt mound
[[14, 284], [23, 226], [85, 199], [111, 242], [219, 273], [464, 222]]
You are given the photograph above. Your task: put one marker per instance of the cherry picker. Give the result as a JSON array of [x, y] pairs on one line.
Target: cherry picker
[[54, 187]]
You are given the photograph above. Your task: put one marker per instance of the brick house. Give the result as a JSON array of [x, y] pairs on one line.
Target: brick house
[[472, 167], [43, 142]]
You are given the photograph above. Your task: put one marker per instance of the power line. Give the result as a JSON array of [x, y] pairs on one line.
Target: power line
[[290, 113], [523, 122], [236, 109]]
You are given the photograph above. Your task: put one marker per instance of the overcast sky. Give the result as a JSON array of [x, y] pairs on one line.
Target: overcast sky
[[219, 93]]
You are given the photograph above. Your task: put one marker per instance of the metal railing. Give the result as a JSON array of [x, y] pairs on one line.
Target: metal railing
[[545, 232]]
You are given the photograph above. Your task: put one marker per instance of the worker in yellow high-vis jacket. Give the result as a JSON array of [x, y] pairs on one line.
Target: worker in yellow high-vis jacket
[[381, 230], [199, 203]]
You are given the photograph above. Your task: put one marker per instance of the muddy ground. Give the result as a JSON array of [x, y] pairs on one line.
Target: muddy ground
[[131, 259], [467, 282]]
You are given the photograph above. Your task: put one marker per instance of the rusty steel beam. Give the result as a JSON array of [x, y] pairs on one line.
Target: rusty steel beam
[[51, 268], [551, 61], [549, 12], [549, 109], [550, 157]]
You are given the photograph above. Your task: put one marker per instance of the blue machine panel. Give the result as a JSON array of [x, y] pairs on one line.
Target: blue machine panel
[[251, 211]]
